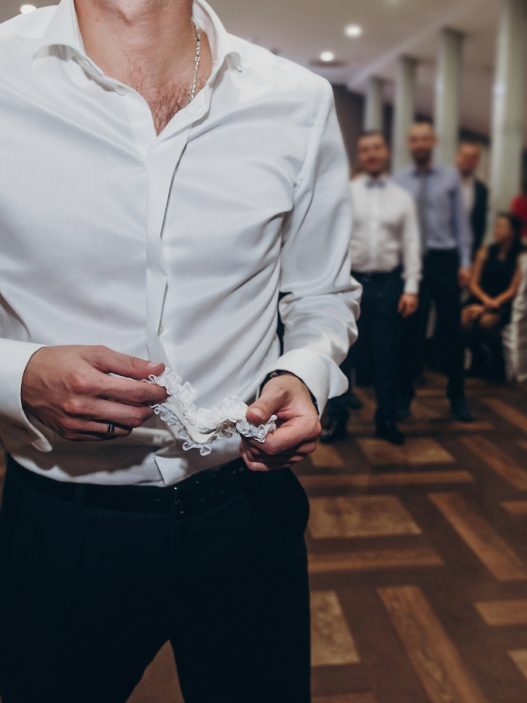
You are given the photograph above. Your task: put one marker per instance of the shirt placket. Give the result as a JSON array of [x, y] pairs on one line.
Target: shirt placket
[[374, 229], [161, 155]]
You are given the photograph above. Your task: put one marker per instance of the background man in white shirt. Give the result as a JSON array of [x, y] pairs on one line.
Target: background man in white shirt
[[163, 185], [385, 251]]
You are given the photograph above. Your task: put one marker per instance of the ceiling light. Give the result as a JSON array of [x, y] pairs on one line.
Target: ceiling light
[[26, 9], [327, 56], [353, 31]]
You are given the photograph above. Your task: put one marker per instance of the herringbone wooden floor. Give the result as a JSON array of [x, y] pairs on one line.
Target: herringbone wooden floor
[[418, 559]]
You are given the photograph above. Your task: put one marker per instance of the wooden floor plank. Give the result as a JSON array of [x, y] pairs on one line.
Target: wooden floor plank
[[374, 560], [326, 455], [503, 612], [517, 508], [410, 478], [500, 559], [362, 516], [497, 460], [519, 657], [332, 642], [351, 698], [416, 451], [435, 658], [508, 412], [160, 681]]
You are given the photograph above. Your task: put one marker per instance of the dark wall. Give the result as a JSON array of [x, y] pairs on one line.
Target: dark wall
[[350, 111]]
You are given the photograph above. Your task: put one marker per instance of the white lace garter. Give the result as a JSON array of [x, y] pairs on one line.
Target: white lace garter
[[197, 428]]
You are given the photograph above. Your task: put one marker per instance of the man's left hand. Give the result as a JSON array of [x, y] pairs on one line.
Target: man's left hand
[[464, 277], [298, 425], [408, 304]]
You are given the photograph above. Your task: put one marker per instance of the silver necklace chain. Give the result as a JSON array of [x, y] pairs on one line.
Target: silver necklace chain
[[197, 64]]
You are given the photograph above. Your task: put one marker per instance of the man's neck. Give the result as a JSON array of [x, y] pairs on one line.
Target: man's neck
[[134, 39], [375, 175]]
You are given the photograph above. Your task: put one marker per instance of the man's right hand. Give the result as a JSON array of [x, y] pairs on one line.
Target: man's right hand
[[70, 389]]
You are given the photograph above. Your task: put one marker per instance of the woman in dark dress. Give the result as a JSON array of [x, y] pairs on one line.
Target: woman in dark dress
[[495, 280]]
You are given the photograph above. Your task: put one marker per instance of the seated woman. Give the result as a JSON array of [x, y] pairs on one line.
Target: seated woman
[[495, 280]]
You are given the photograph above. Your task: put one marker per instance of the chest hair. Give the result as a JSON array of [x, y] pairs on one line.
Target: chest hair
[[164, 104]]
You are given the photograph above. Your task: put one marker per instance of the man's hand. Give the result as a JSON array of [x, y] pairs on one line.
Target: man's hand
[[69, 389], [408, 304], [298, 425], [464, 276]]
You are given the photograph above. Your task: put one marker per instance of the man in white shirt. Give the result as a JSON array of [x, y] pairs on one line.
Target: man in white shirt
[[164, 184], [385, 251]]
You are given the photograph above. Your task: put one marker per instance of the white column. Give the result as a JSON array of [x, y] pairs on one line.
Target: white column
[[374, 116], [447, 95], [404, 110], [509, 98]]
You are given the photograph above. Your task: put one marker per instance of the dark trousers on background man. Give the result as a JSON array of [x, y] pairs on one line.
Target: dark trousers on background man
[[378, 342], [94, 580], [440, 285]]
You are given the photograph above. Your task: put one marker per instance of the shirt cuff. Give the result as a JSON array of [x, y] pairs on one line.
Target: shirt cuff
[[466, 261], [14, 357], [322, 376], [411, 286]]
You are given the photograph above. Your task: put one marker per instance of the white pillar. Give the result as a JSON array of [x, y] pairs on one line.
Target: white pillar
[[447, 95], [509, 111], [404, 110], [374, 117]]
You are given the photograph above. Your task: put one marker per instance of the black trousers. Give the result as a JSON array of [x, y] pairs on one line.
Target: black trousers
[[90, 594], [378, 342], [440, 285]]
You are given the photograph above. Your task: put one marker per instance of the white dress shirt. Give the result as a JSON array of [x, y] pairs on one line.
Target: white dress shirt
[[172, 247], [385, 230]]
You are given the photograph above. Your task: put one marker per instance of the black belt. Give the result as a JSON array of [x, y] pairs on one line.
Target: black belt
[[376, 275], [196, 494]]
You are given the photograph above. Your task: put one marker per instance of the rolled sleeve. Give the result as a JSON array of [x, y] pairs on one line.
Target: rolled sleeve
[[320, 299], [14, 357]]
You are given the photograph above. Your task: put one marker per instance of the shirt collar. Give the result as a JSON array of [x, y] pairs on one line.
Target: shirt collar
[[372, 182], [429, 171], [223, 44], [63, 31]]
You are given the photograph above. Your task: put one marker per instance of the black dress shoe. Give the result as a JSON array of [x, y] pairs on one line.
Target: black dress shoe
[[388, 430], [334, 430], [460, 410]]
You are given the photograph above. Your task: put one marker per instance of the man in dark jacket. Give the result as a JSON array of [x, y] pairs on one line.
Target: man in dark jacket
[[475, 192]]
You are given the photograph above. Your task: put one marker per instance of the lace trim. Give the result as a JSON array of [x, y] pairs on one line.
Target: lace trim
[[198, 428]]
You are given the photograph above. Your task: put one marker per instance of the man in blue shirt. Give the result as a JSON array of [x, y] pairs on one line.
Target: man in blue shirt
[[446, 242]]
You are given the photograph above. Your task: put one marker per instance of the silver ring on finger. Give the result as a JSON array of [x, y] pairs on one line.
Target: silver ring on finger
[[111, 428]]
